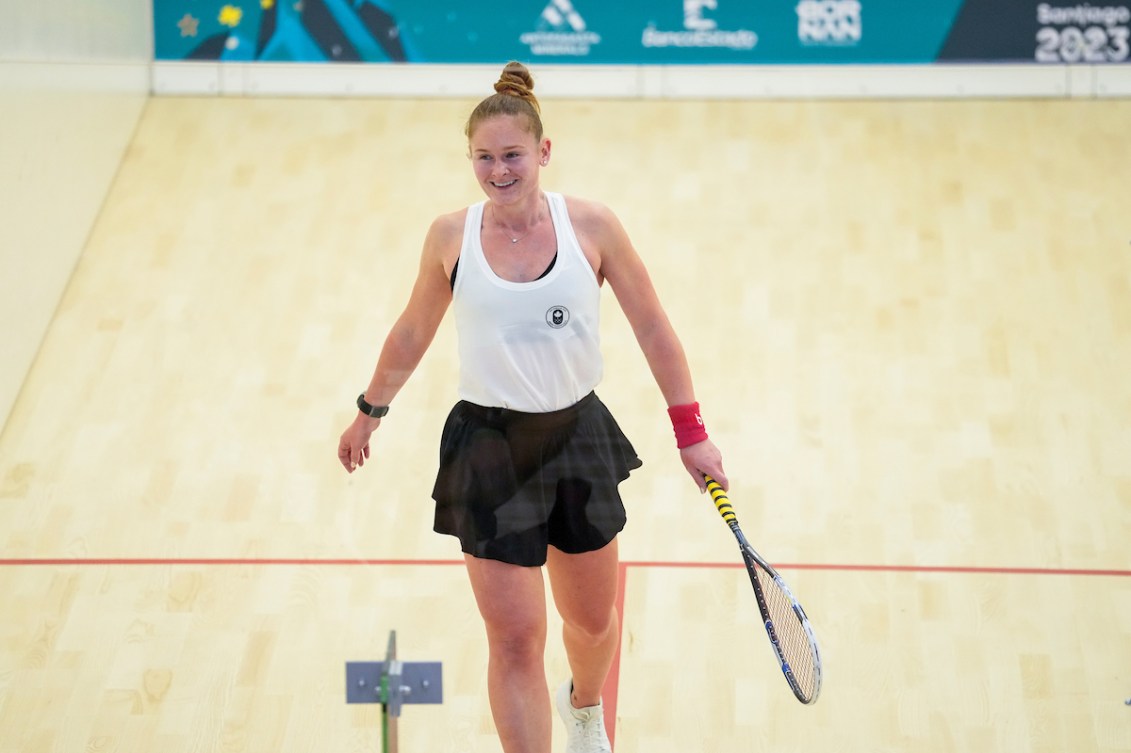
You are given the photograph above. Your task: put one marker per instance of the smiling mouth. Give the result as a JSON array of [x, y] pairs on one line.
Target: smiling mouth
[[508, 184]]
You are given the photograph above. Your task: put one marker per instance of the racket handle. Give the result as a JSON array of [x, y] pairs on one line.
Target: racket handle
[[719, 497]]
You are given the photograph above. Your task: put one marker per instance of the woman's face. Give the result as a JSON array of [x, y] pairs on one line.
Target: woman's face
[[506, 158]]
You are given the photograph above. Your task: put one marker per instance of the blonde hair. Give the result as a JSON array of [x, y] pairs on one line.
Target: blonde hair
[[514, 95]]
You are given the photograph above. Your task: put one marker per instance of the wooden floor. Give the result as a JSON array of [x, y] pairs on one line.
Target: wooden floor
[[910, 327]]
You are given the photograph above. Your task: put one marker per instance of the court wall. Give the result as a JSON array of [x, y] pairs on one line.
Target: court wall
[[74, 76]]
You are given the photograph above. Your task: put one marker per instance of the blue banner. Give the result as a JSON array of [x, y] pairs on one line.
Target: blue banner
[[644, 32]]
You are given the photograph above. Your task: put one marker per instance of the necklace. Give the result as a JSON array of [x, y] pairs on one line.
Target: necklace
[[507, 233]]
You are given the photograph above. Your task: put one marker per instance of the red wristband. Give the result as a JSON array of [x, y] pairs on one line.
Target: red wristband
[[688, 424]]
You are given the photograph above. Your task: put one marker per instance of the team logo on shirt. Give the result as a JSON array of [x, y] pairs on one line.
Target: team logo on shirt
[[557, 317]]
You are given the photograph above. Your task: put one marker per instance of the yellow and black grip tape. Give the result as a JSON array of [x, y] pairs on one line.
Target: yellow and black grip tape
[[722, 502]]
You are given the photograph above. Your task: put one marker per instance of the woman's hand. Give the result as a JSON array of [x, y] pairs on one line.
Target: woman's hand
[[704, 457], [353, 447]]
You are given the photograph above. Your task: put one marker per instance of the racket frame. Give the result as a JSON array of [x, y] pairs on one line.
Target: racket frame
[[753, 561]]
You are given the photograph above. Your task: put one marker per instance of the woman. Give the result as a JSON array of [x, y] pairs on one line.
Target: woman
[[530, 458]]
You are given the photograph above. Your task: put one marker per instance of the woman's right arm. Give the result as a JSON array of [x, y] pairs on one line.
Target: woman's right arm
[[410, 335]]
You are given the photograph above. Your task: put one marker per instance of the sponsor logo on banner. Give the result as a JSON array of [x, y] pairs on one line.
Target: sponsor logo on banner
[[1083, 33], [561, 30], [700, 31], [836, 23]]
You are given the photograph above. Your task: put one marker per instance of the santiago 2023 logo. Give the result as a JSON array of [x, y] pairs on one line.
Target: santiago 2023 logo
[[1083, 33]]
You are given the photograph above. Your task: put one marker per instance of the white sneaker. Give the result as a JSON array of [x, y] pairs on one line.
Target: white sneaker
[[585, 728]]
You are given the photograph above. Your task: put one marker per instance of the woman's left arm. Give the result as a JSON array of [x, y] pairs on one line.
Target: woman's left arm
[[616, 260]]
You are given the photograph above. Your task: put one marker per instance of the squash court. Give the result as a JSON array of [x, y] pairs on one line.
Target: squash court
[[909, 324]]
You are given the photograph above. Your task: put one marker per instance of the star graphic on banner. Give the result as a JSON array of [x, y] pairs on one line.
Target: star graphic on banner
[[266, 4], [188, 25], [230, 16]]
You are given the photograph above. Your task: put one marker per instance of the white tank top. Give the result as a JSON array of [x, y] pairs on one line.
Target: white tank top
[[529, 346]]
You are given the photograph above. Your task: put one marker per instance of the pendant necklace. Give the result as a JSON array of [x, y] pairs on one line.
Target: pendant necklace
[[506, 232]]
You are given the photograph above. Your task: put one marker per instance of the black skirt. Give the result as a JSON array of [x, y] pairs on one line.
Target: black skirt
[[510, 483]]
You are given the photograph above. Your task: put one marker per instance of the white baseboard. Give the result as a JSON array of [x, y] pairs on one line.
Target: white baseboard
[[647, 82], [1113, 81]]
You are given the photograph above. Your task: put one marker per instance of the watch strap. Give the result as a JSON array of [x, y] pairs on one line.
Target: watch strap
[[373, 411]]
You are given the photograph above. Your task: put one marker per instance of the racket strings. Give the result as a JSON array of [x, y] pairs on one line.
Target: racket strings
[[792, 636]]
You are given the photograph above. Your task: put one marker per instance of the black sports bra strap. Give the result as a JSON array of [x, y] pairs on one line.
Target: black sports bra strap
[[452, 278]]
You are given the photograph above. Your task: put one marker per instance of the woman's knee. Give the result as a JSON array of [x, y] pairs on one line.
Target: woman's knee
[[517, 641], [593, 625]]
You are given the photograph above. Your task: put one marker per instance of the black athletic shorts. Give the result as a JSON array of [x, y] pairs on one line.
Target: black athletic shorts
[[512, 483]]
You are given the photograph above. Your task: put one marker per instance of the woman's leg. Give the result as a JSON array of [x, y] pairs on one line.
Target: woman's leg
[[512, 600], [585, 592]]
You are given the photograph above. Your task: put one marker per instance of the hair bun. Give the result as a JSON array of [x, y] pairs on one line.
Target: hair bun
[[516, 81], [514, 96]]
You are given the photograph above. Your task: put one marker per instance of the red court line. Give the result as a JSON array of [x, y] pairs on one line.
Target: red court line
[[957, 569], [115, 561], [612, 681]]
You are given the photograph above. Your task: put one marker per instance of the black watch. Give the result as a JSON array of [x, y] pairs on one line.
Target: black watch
[[373, 411]]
